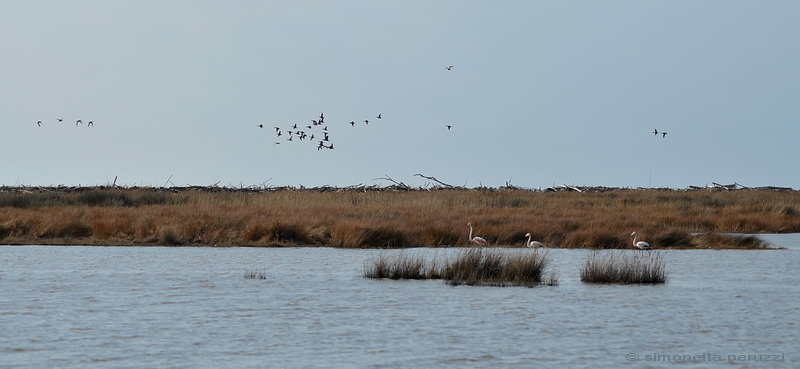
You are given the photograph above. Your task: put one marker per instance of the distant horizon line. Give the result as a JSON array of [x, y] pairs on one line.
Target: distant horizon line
[[398, 186]]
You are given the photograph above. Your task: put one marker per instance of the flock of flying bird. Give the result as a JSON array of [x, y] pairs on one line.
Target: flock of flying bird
[[77, 122], [641, 245], [301, 132]]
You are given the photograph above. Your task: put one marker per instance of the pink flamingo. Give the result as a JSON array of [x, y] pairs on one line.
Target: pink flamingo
[[533, 244], [476, 239], [641, 245]]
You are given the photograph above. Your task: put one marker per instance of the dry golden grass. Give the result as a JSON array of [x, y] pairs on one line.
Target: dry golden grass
[[352, 219]]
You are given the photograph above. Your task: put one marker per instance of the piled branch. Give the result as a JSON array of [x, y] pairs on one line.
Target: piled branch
[[435, 180]]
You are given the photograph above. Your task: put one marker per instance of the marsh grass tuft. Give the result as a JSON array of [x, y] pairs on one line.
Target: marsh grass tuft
[[473, 266], [5, 231], [624, 267], [487, 267], [255, 274], [402, 266], [728, 241], [169, 237], [441, 237]]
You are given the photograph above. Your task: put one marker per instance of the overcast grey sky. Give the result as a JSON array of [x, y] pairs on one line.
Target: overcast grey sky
[[540, 93]]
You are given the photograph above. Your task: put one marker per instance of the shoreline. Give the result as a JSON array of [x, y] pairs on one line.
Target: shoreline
[[392, 218]]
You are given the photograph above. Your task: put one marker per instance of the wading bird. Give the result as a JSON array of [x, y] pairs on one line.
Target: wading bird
[[641, 245], [476, 239], [533, 244]]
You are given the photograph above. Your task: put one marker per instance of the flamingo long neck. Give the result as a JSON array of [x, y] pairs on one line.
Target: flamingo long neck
[[529, 239], [634, 239], [470, 232]]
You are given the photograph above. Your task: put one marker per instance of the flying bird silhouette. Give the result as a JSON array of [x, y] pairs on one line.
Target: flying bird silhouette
[[655, 132], [379, 116], [663, 134], [449, 67], [39, 123], [448, 127]]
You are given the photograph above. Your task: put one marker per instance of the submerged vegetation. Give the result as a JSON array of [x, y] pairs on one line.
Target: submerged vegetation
[[392, 218], [255, 274], [473, 266]]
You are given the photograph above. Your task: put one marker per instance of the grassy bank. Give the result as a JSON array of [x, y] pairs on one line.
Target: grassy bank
[[394, 219]]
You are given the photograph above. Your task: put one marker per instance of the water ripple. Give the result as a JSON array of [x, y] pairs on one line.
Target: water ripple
[[119, 307]]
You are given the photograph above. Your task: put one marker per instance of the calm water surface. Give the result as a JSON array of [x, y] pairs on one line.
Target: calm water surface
[[158, 307]]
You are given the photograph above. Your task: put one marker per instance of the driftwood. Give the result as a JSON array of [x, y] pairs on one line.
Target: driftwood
[[432, 178], [395, 186], [565, 187], [726, 187], [399, 184]]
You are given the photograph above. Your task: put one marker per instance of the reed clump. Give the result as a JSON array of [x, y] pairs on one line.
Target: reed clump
[[402, 266], [491, 267], [392, 219], [473, 266], [626, 267]]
